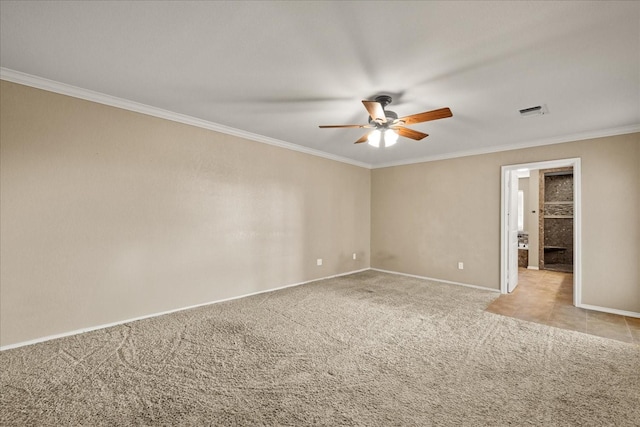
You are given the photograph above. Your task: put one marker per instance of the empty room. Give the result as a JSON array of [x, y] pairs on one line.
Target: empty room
[[363, 213]]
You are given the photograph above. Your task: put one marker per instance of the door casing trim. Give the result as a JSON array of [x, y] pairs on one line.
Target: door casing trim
[[577, 220]]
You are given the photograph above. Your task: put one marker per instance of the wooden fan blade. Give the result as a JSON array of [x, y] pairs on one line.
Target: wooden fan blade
[[345, 126], [363, 138], [410, 133], [375, 111], [441, 113]]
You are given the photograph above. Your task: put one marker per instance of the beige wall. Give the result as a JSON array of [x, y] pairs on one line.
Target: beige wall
[[108, 215], [426, 217]]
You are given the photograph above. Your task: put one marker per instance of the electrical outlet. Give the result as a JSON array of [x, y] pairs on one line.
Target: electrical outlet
[[319, 261], [354, 255], [460, 266]]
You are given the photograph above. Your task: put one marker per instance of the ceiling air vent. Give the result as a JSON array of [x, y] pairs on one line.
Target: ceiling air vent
[[534, 111]]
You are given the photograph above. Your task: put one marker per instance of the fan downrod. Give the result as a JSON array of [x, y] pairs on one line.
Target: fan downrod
[[384, 100]]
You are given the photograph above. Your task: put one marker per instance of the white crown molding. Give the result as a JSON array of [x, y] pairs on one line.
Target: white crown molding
[[101, 98], [517, 146]]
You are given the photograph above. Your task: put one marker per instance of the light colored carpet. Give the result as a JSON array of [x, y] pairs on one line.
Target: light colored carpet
[[368, 349]]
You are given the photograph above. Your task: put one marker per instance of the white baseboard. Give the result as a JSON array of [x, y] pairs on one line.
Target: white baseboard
[[120, 322], [437, 280], [531, 267], [609, 310]]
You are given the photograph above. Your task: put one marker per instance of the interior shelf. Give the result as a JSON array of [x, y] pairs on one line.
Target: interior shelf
[[554, 248]]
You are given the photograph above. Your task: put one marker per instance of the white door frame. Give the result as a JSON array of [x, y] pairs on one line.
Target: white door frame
[[577, 220], [511, 228]]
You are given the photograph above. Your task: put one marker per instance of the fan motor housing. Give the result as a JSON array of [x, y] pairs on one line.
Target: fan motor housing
[[390, 115]]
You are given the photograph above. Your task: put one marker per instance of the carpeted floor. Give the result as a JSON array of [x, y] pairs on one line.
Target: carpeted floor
[[369, 349]]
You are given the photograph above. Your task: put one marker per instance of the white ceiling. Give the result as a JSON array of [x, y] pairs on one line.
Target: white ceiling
[[280, 69]]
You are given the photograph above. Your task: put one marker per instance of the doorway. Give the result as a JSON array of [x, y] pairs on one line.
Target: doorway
[[509, 231]]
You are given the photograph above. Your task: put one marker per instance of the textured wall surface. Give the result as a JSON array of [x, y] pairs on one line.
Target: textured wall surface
[[558, 188], [558, 241], [557, 222], [426, 217], [108, 215]]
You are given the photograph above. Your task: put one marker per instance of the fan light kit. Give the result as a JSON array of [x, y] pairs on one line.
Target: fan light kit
[[387, 126], [389, 138]]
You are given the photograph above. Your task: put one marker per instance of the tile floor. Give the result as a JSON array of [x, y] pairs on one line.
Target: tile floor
[[546, 297]]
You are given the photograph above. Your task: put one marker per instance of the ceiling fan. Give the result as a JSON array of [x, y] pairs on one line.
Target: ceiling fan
[[387, 126]]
